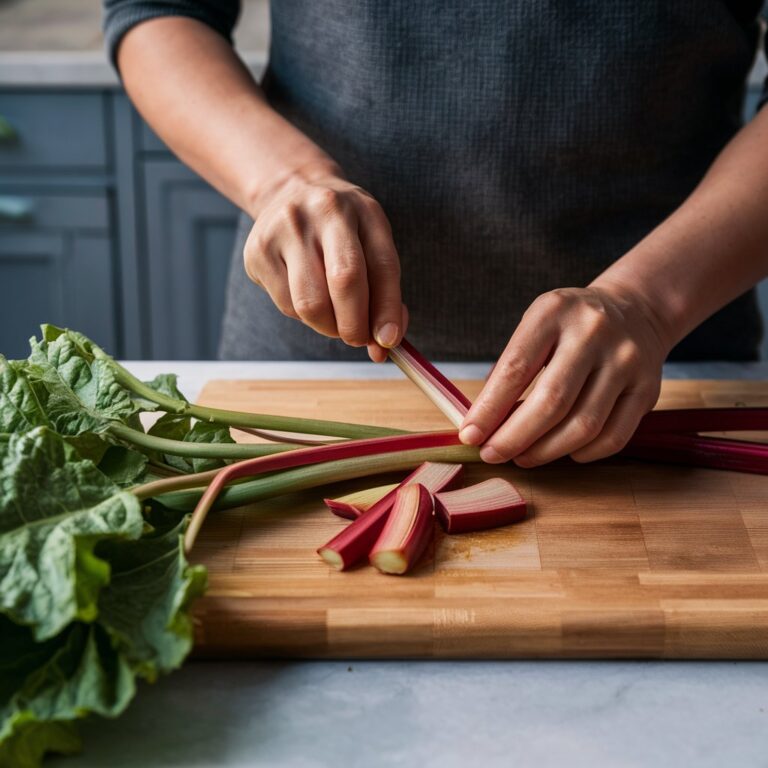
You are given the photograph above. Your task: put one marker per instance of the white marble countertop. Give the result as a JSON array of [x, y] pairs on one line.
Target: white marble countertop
[[488, 714]]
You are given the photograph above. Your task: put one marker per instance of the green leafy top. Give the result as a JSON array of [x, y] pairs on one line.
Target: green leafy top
[[81, 392], [20, 407], [91, 596], [54, 507]]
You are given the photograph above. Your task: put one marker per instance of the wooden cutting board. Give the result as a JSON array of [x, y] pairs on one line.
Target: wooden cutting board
[[621, 559]]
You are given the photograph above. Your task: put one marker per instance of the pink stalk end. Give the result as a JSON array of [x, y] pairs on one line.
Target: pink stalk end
[[440, 390], [407, 532], [355, 542], [489, 504]]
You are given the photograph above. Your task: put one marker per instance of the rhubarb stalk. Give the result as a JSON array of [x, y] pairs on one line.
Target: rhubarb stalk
[[440, 390], [704, 420], [314, 455], [694, 450]]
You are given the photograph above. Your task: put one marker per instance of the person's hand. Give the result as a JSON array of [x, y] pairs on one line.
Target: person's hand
[[322, 249], [601, 351]]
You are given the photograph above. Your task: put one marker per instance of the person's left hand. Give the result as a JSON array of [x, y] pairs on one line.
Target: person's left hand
[[601, 350]]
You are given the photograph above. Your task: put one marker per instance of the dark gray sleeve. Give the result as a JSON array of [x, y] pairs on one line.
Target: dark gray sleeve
[[764, 97], [121, 15]]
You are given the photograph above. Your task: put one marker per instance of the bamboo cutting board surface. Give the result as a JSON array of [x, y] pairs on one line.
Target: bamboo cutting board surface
[[621, 559]]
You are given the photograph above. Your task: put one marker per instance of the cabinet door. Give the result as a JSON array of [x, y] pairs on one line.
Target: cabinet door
[[63, 278], [190, 233]]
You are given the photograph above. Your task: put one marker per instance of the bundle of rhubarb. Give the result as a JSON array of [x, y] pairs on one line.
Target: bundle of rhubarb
[[95, 524]]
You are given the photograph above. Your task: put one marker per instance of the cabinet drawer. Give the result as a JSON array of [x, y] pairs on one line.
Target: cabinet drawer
[[51, 129], [64, 278], [87, 211]]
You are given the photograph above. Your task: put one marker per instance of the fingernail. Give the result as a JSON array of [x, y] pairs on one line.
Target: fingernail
[[471, 435], [490, 455], [387, 335]]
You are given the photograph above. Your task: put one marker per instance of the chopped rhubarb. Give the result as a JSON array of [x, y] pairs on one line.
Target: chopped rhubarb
[[490, 504], [351, 506], [355, 542], [406, 533]]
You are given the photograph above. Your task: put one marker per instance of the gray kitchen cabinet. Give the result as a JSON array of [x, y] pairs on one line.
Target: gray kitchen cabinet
[[54, 130], [64, 277], [190, 231]]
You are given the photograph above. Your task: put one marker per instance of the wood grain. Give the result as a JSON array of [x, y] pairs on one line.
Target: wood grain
[[622, 559]]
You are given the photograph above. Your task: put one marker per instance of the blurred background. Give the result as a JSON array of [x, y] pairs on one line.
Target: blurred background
[[101, 228]]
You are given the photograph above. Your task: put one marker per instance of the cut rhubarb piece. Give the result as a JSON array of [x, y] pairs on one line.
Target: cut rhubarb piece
[[490, 504], [440, 390], [351, 506], [406, 533], [355, 542]]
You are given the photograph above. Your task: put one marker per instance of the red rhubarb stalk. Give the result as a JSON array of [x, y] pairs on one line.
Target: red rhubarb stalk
[[697, 451], [489, 504], [440, 390], [313, 455], [704, 420], [355, 542], [406, 533]]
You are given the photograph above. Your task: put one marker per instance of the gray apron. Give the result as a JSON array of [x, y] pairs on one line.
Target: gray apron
[[515, 146]]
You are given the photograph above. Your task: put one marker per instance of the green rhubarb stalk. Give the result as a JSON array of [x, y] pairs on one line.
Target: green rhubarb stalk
[[233, 451], [237, 419], [183, 493]]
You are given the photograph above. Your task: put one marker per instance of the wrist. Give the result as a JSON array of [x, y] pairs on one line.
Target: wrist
[[306, 171], [649, 304]]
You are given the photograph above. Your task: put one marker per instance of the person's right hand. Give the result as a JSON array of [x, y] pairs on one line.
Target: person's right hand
[[322, 248]]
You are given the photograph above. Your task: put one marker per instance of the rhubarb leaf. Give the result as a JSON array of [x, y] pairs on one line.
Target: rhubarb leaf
[[183, 428], [166, 384], [45, 687], [54, 508], [80, 394], [20, 408], [145, 606], [125, 467]]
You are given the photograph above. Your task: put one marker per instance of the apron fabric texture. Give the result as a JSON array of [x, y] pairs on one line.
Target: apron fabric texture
[[515, 146]]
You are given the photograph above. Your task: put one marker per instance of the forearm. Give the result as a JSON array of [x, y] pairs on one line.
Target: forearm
[[712, 249], [194, 91]]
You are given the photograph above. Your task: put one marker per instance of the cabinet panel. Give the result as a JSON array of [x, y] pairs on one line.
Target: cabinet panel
[[40, 210], [190, 233], [61, 278], [53, 129]]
